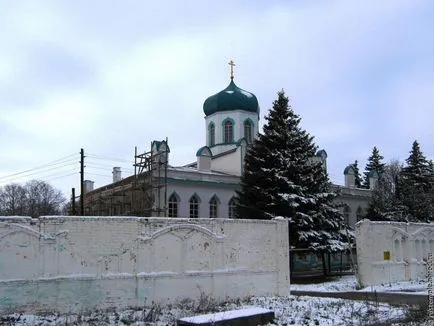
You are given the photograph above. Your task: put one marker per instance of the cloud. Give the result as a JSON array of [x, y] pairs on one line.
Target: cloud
[[109, 77]]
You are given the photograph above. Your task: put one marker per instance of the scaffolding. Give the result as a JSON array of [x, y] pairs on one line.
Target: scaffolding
[[142, 194], [150, 177]]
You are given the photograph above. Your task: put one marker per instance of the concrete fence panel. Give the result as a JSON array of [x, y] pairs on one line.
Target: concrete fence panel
[[392, 251], [68, 264]]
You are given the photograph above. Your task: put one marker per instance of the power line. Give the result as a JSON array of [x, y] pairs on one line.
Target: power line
[[52, 163], [26, 174], [106, 165], [101, 175], [102, 157], [57, 173], [96, 166], [62, 176], [49, 177]]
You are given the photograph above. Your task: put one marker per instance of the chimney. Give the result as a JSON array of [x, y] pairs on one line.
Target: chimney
[[88, 186], [322, 155], [373, 178], [204, 157], [350, 177], [117, 174]]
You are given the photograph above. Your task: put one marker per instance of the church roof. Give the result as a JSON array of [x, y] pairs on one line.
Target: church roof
[[348, 169], [230, 99], [204, 151], [321, 153]]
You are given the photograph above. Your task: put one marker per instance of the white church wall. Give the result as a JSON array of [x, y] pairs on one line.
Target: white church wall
[[229, 163], [356, 199], [355, 205], [392, 251], [71, 264], [205, 193]]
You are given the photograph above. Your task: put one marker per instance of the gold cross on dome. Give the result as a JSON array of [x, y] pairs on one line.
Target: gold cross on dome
[[232, 64]]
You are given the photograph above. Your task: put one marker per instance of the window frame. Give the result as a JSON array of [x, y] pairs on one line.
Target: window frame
[[194, 206], [359, 214], [211, 134], [248, 125], [213, 207], [232, 208], [173, 206], [228, 131]]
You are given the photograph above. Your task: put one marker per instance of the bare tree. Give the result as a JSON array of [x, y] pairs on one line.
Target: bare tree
[[12, 200], [35, 198]]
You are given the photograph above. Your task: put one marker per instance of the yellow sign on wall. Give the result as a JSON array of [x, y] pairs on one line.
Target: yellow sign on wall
[[386, 255]]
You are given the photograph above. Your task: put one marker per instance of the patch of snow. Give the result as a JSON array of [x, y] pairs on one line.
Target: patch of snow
[[118, 275], [225, 315], [217, 271], [69, 277], [342, 284], [416, 287], [349, 283], [153, 274]]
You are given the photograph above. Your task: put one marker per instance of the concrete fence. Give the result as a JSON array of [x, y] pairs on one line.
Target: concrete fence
[[392, 251], [68, 264]]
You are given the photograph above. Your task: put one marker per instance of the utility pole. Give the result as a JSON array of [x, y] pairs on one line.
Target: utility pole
[[82, 182], [73, 211]]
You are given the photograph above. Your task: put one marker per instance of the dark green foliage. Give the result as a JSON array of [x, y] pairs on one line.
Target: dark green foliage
[[358, 178], [405, 193], [416, 186], [374, 164], [282, 178], [384, 205]]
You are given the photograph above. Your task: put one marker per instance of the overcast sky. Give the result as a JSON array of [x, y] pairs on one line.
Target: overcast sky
[[106, 76]]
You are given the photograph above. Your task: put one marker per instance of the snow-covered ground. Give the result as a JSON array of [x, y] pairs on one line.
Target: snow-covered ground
[[348, 283], [289, 310], [338, 284]]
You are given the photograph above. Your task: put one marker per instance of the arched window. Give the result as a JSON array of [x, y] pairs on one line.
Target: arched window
[[231, 208], [211, 134], [173, 205], [194, 206], [248, 131], [213, 207], [347, 212], [228, 131], [359, 214]]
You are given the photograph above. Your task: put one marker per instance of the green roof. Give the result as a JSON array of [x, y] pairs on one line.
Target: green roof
[[230, 99]]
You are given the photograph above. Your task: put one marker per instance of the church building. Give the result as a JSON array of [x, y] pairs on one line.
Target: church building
[[206, 187]]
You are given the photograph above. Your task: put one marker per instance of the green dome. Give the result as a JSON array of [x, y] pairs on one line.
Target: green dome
[[229, 99]]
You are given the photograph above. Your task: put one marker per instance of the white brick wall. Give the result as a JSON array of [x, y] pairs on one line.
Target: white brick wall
[[69, 264], [407, 243]]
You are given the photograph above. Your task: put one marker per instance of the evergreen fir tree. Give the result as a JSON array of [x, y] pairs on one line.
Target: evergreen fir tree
[[281, 178], [358, 178], [417, 186], [374, 164], [385, 204]]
